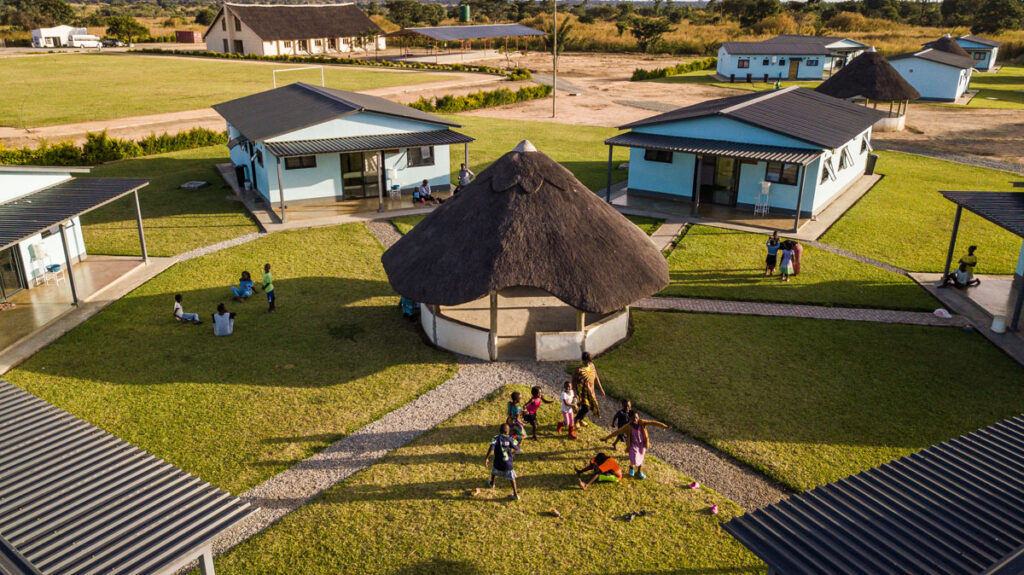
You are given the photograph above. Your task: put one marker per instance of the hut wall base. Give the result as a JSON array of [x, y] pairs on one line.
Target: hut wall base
[[890, 124], [608, 332], [455, 336]]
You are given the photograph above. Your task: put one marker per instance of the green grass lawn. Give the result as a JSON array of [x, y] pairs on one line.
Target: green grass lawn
[[811, 401], [725, 264], [648, 225], [416, 512], [578, 148], [134, 84], [1004, 89], [175, 220], [238, 410], [904, 221]]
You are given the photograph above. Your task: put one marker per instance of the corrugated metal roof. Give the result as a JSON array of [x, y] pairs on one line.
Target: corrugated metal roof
[[1004, 209], [780, 48], [12, 562], [980, 40], [300, 105], [714, 147], [937, 56], [75, 499], [366, 143], [956, 508], [279, 22], [30, 214], [803, 114], [451, 33]]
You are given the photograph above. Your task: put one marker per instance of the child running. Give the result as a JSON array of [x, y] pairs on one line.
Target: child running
[[503, 446], [532, 407], [621, 418], [568, 404], [637, 440], [513, 417], [605, 469]]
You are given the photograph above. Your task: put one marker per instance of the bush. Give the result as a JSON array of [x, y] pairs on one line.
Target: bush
[[856, 22], [100, 148], [705, 64], [777, 24], [450, 104]]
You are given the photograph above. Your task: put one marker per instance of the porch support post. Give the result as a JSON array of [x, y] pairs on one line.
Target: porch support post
[[695, 203], [280, 189], [465, 154], [492, 338], [206, 563], [799, 198], [608, 187], [381, 182], [142, 234], [581, 326], [67, 262], [1018, 307], [952, 240]]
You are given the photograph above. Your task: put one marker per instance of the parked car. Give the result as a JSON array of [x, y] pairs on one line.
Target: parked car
[[112, 42]]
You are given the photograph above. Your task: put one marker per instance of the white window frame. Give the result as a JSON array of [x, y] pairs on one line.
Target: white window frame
[[425, 156]]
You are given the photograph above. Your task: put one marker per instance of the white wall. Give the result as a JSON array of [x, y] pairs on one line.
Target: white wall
[[607, 332], [360, 124], [251, 43], [53, 249], [454, 336], [933, 80], [728, 64], [17, 184]]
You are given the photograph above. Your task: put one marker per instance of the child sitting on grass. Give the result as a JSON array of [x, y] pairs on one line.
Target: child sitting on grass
[[532, 407], [503, 446], [513, 417], [606, 470]]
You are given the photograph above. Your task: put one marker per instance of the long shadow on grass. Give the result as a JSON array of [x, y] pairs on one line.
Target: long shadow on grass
[[327, 331]]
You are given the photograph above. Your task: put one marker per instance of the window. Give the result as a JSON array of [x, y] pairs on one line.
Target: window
[[978, 55], [288, 44], [845, 159], [225, 40], [743, 63], [827, 171], [300, 162], [782, 61], [318, 42], [302, 45], [332, 43], [765, 62], [811, 63], [224, 24], [781, 173], [238, 24], [865, 145], [238, 47], [259, 157], [421, 156], [663, 156]]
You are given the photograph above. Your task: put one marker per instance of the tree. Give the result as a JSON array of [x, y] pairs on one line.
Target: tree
[[750, 12], [998, 15], [648, 31], [205, 16], [125, 28], [564, 29]]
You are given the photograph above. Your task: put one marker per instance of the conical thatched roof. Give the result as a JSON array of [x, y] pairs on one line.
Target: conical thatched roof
[[948, 44], [526, 221], [869, 76]]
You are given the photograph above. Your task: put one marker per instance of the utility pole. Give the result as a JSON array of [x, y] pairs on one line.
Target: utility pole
[[554, 57]]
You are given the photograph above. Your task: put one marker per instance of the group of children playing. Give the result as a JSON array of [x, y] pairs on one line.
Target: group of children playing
[[577, 401], [788, 252], [223, 320]]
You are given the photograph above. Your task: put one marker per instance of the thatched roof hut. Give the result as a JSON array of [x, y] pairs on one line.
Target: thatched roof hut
[[526, 221], [948, 44], [869, 76]]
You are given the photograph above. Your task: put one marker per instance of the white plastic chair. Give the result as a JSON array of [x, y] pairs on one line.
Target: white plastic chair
[[762, 204]]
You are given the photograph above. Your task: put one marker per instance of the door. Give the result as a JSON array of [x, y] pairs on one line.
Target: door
[[719, 180], [794, 68], [11, 279], [359, 173], [239, 49]]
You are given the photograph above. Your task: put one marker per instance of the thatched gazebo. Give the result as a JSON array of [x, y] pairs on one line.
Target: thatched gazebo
[[525, 262], [870, 77]]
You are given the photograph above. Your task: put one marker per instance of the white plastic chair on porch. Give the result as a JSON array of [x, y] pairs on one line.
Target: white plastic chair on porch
[[761, 205]]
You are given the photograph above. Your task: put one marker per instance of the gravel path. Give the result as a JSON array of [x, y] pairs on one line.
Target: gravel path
[[748, 488], [796, 310], [967, 159], [212, 248], [857, 257], [291, 489], [384, 231]]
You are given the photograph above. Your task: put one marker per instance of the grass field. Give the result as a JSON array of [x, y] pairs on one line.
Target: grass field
[[904, 221], [1004, 89], [648, 225], [810, 401], [726, 264], [175, 220], [416, 512], [134, 84], [240, 409]]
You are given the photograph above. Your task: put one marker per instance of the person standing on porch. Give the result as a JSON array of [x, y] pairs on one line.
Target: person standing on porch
[[772, 258]]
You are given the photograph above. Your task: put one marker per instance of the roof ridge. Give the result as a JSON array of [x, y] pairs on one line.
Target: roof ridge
[[767, 94], [323, 91], [288, 5]]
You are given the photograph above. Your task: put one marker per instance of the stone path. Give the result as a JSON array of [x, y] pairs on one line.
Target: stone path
[[384, 231], [796, 310], [857, 257]]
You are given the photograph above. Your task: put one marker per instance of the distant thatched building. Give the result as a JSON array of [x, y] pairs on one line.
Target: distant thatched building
[[525, 262], [871, 78], [940, 72], [983, 51]]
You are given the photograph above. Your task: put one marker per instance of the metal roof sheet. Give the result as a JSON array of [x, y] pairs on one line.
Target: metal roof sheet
[[803, 114], [451, 33], [301, 22], [956, 508], [28, 215], [300, 105], [980, 40], [779, 48], [1004, 209], [937, 56], [75, 499], [714, 147], [366, 143]]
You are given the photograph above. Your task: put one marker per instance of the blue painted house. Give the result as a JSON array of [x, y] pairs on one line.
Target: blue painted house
[[982, 51], [308, 144], [938, 75], [786, 57], [805, 147]]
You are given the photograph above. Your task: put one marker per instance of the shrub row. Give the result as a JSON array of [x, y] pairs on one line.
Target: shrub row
[[514, 74], [450, 104], [705, 64], [100, 148]]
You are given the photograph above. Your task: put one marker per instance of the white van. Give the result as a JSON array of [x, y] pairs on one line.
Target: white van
[[85, 41]]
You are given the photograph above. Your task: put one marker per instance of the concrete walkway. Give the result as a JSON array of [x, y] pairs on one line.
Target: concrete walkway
[[698, 305]]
